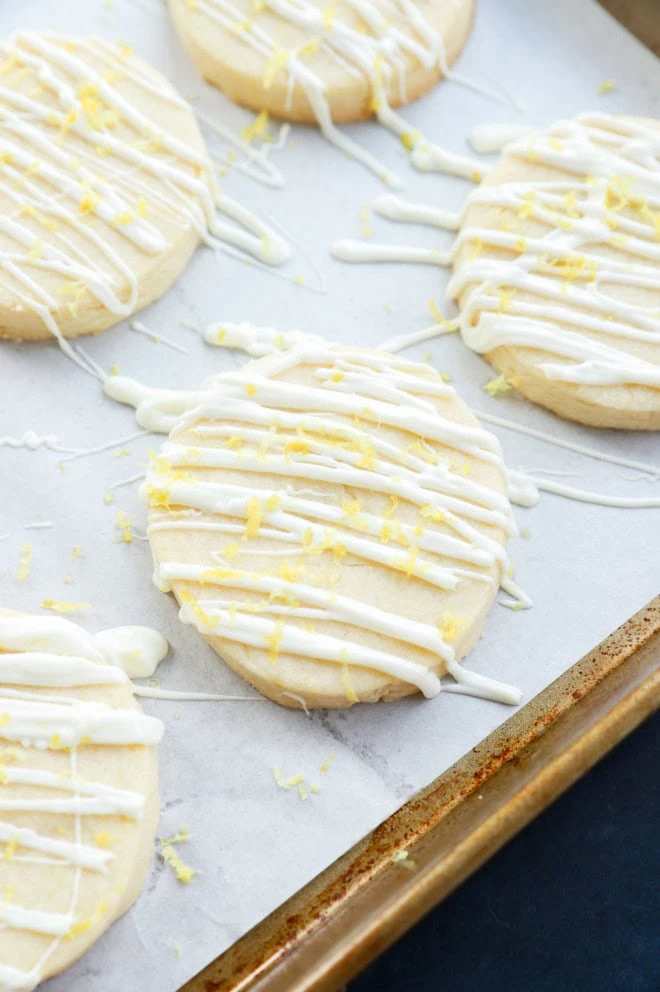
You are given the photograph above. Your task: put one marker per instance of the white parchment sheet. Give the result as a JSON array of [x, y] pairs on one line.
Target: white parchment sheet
[[587, 568]]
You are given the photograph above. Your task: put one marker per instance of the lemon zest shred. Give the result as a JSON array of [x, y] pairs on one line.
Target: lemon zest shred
[[24, 561], [65, 606]]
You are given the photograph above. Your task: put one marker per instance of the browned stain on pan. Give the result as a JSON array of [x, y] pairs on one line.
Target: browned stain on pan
[[360, 904]]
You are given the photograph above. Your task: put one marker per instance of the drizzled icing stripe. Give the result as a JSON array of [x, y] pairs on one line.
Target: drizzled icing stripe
[[93, 858], [34, 159], [375, 54], [254, 340], [323, 432], [37, 653], [91, 722], [549, 291]]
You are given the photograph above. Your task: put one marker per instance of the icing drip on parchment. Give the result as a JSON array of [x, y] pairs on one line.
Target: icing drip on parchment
[[401, 211], [32, 441], [524, 489], [255, 340], [320, 434], [137, 651], [38, 654], [375, 54], [487, 138], [121, 170], [549, 291]]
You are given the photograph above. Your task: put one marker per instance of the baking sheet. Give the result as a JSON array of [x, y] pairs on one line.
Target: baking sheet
[[586, 567]]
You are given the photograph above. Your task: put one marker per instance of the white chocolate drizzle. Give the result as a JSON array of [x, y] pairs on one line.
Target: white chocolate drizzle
[[582, 449], [487, 138], [351, 250], [136, 650], [157, 410], [524, 490], [394, 208], [254, 340], [38, 654], [32, 442], [375, 55], [549, 291], [139, 327], [317, 433]]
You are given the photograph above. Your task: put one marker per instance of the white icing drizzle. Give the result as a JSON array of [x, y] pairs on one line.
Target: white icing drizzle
[[350, 250], [35, 723], [394, 208], [51, 652], [87, 107], [376, 54], [151, 692], [157, 410], [137, 651], [254, 340], [39, 525], [94, 858], [126, 482], [402, 341], [138, 326], [487, 138], [613, 164], [433, 158], [524, 490], [582, 449], [317, 433], [117, 442], [32, 442]]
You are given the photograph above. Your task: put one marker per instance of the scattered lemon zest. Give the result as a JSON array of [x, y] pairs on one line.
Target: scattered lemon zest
[[274, 641], [10, 848], [326, 764], [81, 926], [366, 228], [103, 838], [64, 606], [24, 562], [259, 124], [123, 523], [346, 680], [451, 626], [498, 386], [278, 61], [184, 873]]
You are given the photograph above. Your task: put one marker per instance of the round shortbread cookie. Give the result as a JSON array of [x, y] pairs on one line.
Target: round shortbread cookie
[[279, 56], [557, 270], [79, 795], [104, 185], [332, 520]]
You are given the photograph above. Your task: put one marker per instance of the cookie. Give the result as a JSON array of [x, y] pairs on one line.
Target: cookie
[[332, 520], [78, 795], [104, 185], [305, 61], [556, 270]]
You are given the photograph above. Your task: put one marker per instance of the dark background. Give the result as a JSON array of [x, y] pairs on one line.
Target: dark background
[[572, 904]]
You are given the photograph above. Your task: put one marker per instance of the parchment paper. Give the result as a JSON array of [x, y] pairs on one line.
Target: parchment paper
[[586, 567]]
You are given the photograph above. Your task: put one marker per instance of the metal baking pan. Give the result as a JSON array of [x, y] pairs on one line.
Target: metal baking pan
[[363, 902]]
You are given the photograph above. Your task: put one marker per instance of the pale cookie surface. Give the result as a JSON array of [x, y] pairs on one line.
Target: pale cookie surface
[[78, 795], [557, 269], [104, 185], [303, 60], [332, 520]]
